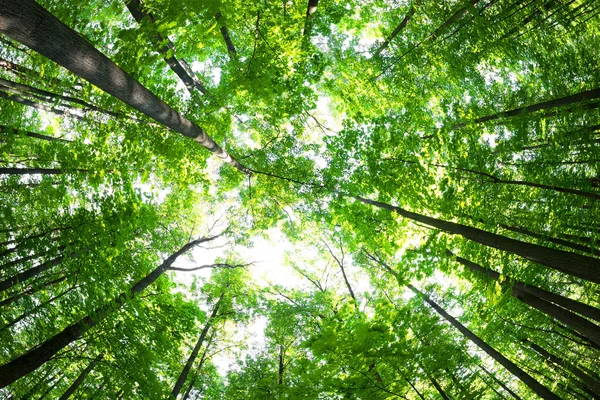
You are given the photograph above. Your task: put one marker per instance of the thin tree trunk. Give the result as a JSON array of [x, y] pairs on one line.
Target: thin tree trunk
[[19, 132], [581, 325], [527, 379], [190, 362], [21, 241], [562, 242], [281, 366], [178, 66], [565, 302], [227, 38], [36, 357], [499, 382], [414, 388], [75, 385], [563, 101], [30, 24], [32, 290], [438, 387], [396, 31], [199, 367], [590, 381], [310, 10], [567, 262], [30, 273]]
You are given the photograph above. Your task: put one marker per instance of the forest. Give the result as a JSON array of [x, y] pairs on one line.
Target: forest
[[300, 199]]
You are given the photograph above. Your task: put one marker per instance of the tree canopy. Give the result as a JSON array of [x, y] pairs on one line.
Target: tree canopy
[[430, 171]]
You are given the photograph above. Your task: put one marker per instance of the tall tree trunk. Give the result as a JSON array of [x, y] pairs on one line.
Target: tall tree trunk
[[396, 31], [438, 387], [562, 242], [81, 377], [569, 304], [310, 10], [30, 273], [36, 357], [563, 101], [581, 325], [527, 379], [31, 290], [199, 367], [590, 381], [19, 132], [227, 38], [414, 388], [190, 362], [499, 382], [564, 261], [30, 24], [179, 66]]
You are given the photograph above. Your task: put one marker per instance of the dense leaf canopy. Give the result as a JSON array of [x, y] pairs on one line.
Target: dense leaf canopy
[[431, 170]]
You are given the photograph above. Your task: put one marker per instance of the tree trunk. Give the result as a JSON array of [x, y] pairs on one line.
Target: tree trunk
[[590, 381], [178, 66], [36, 357], [36, 288], [190, 362], [414, 388], [581, 325], [310, 10], [227, 38], [66, 395], [499, 382], [562, 242], [527, 379], [30, 24], [19, 132], [563, 101], [199, 367], [396, 31], [438, 387], [30, 273], [564, 261], [565, 302]]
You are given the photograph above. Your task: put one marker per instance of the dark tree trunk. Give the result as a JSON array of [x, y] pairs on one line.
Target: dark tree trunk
[[81, 378], [178, 66], [590, 381], [438, 387], [190, 362], [569, 304], [19, 132], [30, 273], [36, 357], [562, 242], [581, 325], [31, 290], [527, 379], [564, 261], [199, 367], [563, 101], [30, 24], [396, 31], [499, 382], [227, 38], [414, 388], [310, 10], [281, 365]]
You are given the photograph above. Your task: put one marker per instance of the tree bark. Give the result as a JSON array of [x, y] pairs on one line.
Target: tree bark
[[199, 367], [179, 66], [30, 24], [36, 357], [396, 31], [590, 381], [565, 302], [310, 10], [67, 394], [30, 273], [19, 132], [438, 387], [32, 290], [190, 362], [499, 382], [562, 242], [527, 379], [581, 325], [564, 261], [227, 38], [563, 101]]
